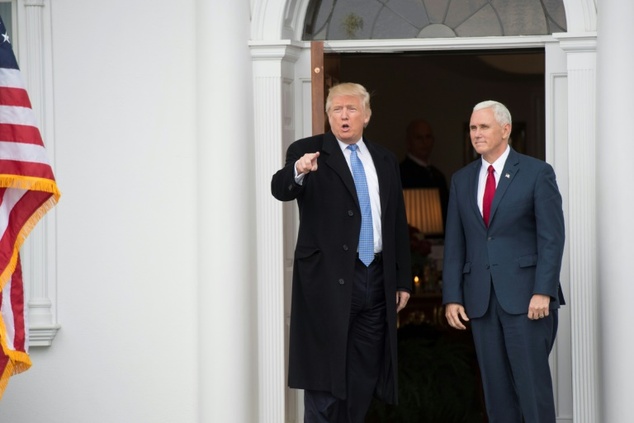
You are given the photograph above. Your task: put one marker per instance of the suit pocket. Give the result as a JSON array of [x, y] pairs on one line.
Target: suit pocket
[[528, 261]]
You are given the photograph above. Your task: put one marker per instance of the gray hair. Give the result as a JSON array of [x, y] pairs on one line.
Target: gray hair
[[501, 113]]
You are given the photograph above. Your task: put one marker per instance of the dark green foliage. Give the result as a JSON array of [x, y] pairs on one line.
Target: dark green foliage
[[437, 379]]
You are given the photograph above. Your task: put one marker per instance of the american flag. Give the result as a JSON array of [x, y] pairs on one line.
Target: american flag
[[27, 191]]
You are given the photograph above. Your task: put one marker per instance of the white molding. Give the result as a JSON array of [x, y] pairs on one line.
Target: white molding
[[581, 15], [39, 250], [417, 44], [582, 224], [42, 336]]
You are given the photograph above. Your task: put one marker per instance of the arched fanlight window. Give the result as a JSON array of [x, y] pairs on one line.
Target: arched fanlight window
[[394, 19]]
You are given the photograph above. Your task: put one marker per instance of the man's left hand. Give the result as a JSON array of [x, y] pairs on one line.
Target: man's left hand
[[539, 307], [401, 300]]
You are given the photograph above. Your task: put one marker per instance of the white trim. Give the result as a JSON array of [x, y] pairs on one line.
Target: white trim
[[581, 15], [418, 44]]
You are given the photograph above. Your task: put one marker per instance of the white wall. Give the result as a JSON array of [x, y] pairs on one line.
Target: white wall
[[125, 123]]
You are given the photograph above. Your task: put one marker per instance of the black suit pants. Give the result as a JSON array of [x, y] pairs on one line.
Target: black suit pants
[[366, 343]]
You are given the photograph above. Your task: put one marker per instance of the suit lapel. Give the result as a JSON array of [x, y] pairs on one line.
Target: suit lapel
[[474, 176]]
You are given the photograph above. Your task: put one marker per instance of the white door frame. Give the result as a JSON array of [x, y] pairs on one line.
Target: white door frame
[[281, 68]]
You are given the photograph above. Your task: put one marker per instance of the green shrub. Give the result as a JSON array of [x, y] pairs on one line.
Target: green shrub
[[437, 379]]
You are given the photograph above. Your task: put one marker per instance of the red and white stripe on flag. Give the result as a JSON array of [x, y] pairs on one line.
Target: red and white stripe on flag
[[27, 191], [15, 358]]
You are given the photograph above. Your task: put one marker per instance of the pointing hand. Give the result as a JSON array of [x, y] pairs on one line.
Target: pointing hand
[[307, 163]]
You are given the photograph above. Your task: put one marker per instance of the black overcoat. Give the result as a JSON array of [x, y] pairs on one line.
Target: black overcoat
[[324, 262]]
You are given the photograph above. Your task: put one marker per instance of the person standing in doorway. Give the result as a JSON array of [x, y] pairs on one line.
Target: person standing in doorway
[[504, 245], [416, 169], [352, 265]]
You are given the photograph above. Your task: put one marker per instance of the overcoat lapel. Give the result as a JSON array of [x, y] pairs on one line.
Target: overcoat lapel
[[337, 162]]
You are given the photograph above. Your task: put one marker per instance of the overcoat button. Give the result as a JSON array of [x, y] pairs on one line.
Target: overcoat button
[[345, 247], [350, 213], [341, 282]]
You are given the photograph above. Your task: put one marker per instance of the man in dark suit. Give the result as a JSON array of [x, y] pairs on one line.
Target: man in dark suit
[[502, 261], [416, 169], [344, 305]]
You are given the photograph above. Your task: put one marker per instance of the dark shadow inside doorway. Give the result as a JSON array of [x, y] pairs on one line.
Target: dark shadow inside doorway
[[442, 87]]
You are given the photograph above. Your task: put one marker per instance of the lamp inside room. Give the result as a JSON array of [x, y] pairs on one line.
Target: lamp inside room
[[423, 209]]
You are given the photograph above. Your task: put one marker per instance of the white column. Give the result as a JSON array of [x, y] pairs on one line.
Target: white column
[[581, 225], [226, 216], [615, 195], [274, 129]]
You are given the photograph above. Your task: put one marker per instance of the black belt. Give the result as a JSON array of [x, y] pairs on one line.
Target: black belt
[[377, 257]]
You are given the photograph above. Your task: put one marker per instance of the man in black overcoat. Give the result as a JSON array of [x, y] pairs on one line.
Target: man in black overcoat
[[344, 311]]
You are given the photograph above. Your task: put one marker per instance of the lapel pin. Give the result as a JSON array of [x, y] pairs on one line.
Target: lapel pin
[[508, 175]]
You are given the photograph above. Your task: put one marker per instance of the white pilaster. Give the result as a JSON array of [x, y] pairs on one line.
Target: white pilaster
[[615, 196], [39, 251], [274, 123], [226, 217], [581, 225]]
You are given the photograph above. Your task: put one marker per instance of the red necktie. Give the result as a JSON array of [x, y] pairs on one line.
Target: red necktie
[[489, 192]]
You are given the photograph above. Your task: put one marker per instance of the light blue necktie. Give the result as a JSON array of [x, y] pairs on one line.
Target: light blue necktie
[[366, 237]]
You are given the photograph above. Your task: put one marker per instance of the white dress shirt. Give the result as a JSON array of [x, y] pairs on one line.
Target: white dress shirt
[[482, 178], [373, 187]]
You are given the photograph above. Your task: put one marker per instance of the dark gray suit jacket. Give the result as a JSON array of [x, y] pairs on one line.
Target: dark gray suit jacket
[[520, 253]]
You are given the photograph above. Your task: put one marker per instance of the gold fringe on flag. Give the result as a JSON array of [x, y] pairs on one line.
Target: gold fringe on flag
[[49, 186]]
